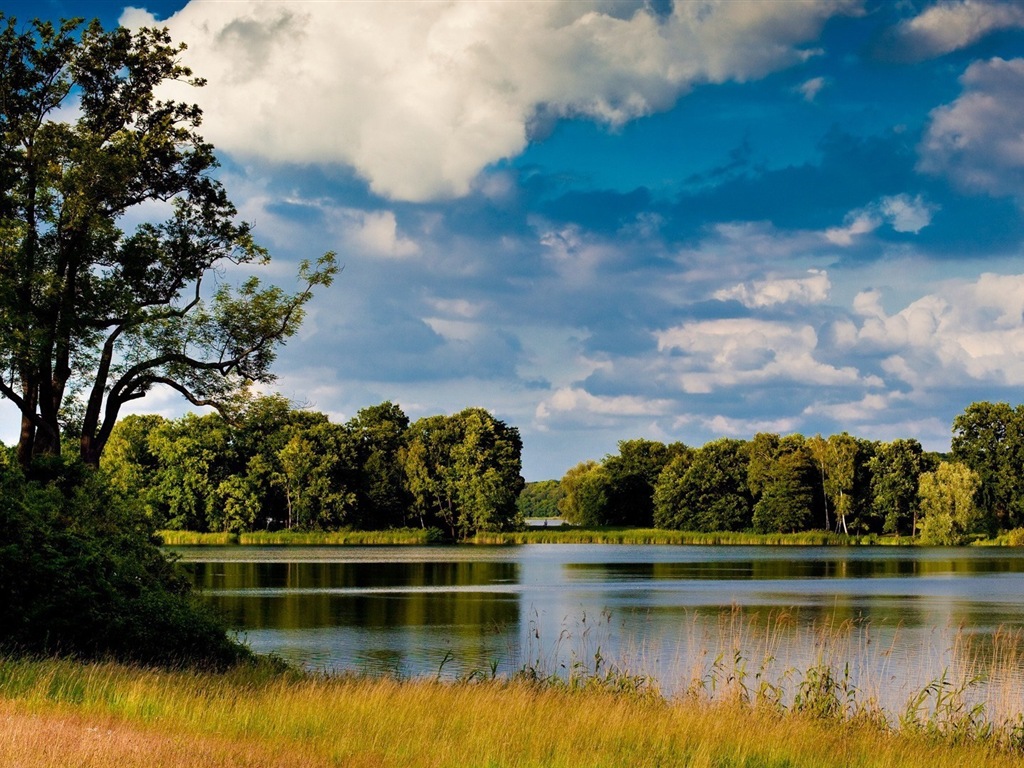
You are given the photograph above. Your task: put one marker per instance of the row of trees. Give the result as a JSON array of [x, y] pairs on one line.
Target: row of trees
[[274, 466], [792, 483]]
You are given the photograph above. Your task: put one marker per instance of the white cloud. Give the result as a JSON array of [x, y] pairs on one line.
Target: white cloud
[[907, 214], [902, 212], [810, 89], [859, 223], [978, 140], [966, 331], [812, 289], [746, 428], [869, 408], [377, 233], [419, 97], [574, 400], [954, 24], [742, 351]]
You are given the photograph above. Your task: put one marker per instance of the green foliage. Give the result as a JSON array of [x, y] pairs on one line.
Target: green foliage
[[586, 495], [273, 466], [632, 476], [81, 574], [781, 477], [91, 316], [540, 499], [989, 439], [463, 472], [705, 490], [948, 505], [895, 475]]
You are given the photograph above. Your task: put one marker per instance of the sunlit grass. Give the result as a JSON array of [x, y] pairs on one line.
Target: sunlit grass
[[552, 535], [391, 537], [611, 535], [59, 713]]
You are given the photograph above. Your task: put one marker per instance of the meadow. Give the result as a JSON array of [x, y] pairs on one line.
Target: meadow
[[60, 713]]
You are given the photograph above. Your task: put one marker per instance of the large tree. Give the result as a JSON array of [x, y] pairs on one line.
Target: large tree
[[989, 438], [93, 316]]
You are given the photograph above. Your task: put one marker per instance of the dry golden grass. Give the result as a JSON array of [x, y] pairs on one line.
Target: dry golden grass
[[62, 714]]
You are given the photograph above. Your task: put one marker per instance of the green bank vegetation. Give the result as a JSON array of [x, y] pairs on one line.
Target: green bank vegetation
[[277, 469]]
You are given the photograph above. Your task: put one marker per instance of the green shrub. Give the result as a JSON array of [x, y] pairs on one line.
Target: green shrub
[[81, 575]]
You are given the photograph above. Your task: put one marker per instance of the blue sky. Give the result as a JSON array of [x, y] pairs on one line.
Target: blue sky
[[608, 220]]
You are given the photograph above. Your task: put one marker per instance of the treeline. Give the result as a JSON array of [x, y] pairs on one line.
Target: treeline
[[793, 483], [274, 467]]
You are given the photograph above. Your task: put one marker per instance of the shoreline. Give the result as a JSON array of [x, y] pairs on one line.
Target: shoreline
[[550, 535]]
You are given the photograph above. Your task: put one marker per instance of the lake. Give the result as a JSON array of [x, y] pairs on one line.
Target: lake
[[902, 617]]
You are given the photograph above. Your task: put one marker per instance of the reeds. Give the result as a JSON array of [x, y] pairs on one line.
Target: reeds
[[59, 713], [565, 535], [390, 537]]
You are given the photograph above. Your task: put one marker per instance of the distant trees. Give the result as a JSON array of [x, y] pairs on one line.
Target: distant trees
[[540, 499], [275, 466], [278, 467], [775, 483]]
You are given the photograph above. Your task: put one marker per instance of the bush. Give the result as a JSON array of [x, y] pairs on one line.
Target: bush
[[82, 575]]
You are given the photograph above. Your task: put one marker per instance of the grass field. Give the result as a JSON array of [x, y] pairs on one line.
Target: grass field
[[56, 713]]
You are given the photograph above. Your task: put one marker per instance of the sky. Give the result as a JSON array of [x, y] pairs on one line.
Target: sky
[[604, 220]]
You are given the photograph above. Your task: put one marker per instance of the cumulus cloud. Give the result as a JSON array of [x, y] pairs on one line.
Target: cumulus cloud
[[952, 25], [901, 212], [972, 330], [743, 351], [377, 233], [812, 289], [745, 428], [419, 97], [578, 401], [978, 140]]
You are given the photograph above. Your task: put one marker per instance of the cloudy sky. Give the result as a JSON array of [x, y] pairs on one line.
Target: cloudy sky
[[611, 219]]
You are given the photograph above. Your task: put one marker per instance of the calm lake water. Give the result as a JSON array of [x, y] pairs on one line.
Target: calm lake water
[[901, 616]]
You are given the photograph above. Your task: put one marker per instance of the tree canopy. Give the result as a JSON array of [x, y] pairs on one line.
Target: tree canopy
[[93, 316]]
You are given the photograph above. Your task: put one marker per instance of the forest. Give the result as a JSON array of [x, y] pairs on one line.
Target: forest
[[280, 467], [275, 466]]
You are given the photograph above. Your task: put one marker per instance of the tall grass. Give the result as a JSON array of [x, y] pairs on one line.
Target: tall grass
[[60, 713], [565, 535], [394, 536], [552, 535]]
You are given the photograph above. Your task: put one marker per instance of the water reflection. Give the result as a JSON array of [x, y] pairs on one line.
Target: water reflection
[[407, 611]]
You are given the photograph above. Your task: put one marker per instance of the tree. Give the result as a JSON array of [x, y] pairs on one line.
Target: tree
[[463, 472], [895, 476], [93, 317], [989, 438], [586, 494], [380, 434], [706, 490], [948, 503], [781, 478], [632, 475], [540, 499]]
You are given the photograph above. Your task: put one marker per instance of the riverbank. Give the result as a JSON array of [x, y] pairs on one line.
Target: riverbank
[[550, 535], [99, 716]]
